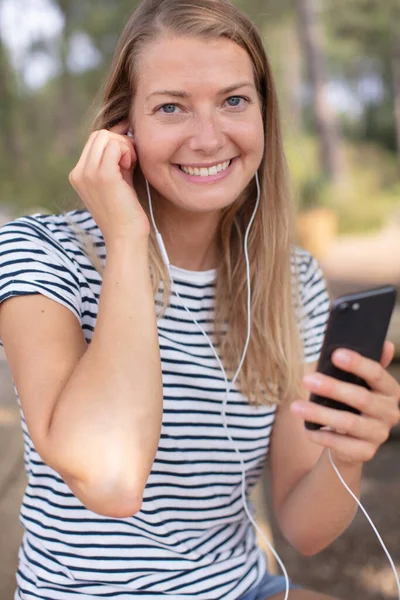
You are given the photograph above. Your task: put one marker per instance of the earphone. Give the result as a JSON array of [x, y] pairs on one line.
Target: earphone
[[165, 258]]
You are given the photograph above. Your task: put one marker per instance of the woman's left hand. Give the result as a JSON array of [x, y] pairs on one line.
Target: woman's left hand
[[355, 438]]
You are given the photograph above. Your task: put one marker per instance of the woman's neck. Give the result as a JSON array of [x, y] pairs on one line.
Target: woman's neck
[[190, 239]]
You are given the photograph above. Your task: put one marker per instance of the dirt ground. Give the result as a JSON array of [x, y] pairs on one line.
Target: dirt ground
[[353, 568]]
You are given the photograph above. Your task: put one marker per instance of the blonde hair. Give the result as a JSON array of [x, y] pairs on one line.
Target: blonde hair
[[274, 361]]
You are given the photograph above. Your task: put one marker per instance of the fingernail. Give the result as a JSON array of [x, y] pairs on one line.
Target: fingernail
[[297, 407], [343, 356], [313, 379]]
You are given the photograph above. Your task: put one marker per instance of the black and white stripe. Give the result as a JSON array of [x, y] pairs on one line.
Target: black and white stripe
[[191, 539]]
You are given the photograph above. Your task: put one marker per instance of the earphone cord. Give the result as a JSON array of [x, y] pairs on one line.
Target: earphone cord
[[229, 386], [369, 521]]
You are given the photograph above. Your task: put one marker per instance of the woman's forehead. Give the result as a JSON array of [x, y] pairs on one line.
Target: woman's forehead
[[193, 60]]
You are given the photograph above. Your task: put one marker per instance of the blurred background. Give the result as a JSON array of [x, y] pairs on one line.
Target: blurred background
[[337, 67]]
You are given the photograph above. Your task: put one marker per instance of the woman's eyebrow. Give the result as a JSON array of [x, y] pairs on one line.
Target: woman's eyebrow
[[182, 94]]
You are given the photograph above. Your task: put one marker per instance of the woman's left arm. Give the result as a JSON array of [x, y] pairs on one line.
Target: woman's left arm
[[312, 506]]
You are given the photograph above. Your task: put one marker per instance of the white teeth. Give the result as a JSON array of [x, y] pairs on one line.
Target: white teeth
[[204, 172]]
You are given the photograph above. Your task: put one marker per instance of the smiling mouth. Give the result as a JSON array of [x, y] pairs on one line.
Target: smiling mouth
[[204, 171]]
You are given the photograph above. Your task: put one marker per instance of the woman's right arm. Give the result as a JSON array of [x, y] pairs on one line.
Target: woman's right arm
[[94, 412]]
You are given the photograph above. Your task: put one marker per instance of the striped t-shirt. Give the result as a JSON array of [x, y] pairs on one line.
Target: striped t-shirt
[[191, 539]]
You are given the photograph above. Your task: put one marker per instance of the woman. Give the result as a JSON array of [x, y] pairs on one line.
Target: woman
[[134, 488]]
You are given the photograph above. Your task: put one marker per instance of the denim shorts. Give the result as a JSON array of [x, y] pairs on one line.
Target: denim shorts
[[268, 586]]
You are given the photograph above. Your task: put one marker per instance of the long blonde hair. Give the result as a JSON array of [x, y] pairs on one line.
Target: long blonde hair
[[273, 364]]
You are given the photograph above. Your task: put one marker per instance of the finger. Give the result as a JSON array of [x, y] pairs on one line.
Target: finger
[[387, 353], [96, 153], [127, 161], [86, 150], [367, 402], [360, 427], [353, 450], [103, 135], [112, 156], [370, 370]]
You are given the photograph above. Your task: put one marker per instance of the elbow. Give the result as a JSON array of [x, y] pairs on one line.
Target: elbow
[[107, 492], [309, 543], [306, 546], [120, 508], [301, 540], [107, 499], [119, 505], [307, 550]]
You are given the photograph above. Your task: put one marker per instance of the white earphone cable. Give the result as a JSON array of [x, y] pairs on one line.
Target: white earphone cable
[[229, 386], [369, 521]]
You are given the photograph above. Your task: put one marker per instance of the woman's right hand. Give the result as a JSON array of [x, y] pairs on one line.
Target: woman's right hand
[[103, 178]]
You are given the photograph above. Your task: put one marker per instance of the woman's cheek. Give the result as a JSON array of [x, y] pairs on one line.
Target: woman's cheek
[[159, 149], [250, 137]]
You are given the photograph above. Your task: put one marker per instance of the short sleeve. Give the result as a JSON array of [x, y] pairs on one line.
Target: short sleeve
[[32, 261], [314, 307]]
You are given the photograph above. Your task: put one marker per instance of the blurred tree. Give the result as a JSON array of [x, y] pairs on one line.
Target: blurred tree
[[276, 22], [45, 127], [10, 143], [280, 21], [370, 28], [66, 103], [102, 22], [396, 86], [310, 32]]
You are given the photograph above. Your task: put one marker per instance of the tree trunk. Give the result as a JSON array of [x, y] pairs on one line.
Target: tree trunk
[[325, 119], [7, 113], [292, 74], [66, 137], [396, 88]]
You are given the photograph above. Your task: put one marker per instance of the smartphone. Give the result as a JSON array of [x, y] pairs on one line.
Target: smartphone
[[357, 321]]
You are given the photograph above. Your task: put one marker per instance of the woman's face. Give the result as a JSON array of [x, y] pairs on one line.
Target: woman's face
[[197, 107]]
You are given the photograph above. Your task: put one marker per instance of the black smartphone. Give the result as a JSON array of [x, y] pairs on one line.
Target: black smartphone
[[357, 321]]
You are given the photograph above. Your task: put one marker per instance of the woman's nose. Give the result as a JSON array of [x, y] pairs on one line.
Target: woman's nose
[[207, 136]]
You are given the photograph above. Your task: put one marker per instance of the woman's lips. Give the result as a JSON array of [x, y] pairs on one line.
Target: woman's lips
[[207, 178]]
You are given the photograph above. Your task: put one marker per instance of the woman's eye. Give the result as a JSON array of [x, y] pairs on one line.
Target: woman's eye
[[167, 109], [172, 109], [236, 100]]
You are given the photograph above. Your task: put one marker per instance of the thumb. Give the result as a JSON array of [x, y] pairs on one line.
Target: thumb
[[387, 353]]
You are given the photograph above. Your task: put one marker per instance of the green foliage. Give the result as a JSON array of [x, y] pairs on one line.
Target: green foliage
[[45, 131], [379, 125], [369, 25], [369, 197], [361, 41]]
